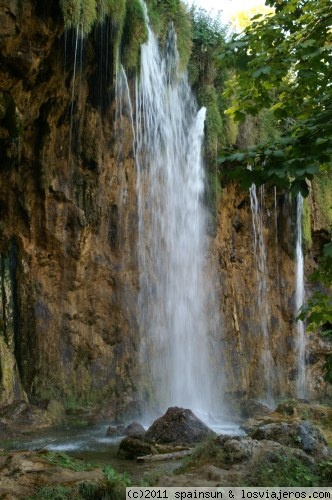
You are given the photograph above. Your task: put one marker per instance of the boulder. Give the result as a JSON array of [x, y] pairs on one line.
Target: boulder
[[178, 426], [252, 408], [295, 435], [312, 440], [236, 448], [132, 447], [134, 429], [116, 431]]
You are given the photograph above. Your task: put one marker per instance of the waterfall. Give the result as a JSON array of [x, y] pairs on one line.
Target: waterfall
[[276, 241], [260, 254], [174, 304], [123, 108], [299, 299]]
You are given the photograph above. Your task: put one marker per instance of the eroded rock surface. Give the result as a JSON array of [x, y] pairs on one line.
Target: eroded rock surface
[[178, 426]]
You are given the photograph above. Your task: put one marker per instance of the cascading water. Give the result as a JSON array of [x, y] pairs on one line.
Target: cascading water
[[299, 299], [177, 347], [263, 298]]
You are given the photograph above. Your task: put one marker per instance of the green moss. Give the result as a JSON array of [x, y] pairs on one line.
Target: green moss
[[207, 96], [207, 452], [55, 492], [161, 13], [134, 34], [66, 462], [322, 191], [267, 126], [306, 226], [79, 14], [283, 470]]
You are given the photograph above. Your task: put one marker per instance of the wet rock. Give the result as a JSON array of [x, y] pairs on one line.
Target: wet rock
[[252, 408], [178, 426], [55, 409], [132, 447], [302, 435], [236, 449], [115, 431], [20, 416], [311, 438], [134, 429]]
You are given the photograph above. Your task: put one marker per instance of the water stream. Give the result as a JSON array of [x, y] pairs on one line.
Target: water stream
[[179, 347], [299, 300], [260, 253]]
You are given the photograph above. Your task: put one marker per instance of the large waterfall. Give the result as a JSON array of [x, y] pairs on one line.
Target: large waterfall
[[176, 310]]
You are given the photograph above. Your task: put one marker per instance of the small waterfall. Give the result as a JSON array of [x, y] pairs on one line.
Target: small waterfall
[[276, 237], [124, 109], [299, 300], [260, 253], [177, 347]]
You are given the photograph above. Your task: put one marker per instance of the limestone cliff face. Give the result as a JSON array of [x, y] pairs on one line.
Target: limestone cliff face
[[68, 215], [68, 232], [244, 345]]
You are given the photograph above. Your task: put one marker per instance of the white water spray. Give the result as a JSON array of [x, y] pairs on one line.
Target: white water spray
[[299, 300], [260, 254], [177, 349]]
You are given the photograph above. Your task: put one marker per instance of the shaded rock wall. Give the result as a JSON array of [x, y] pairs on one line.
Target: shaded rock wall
[[68, 214]]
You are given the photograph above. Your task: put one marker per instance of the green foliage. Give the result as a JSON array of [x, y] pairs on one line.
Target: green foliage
[[79, 14], [161, 13], [208, 451], [322, 191], [283, 470], [56, 492], [284, 65], [208, 39], [115, 9], [326, 470], [268, 129], [115, 483], [207, 96], [306, 226], [114, 477], [134, 34], [88, 489]]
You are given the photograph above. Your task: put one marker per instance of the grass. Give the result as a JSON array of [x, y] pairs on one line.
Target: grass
[[112, 487], [209, 451], [66, 462]]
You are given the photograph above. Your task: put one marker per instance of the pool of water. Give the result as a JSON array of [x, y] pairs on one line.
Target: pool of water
[[93, 445]]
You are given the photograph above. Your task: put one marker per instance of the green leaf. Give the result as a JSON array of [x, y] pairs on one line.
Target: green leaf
[[264, 70], [327, 250], [322, 140]]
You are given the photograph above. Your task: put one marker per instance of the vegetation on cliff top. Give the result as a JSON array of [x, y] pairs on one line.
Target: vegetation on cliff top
[[283, 64], [128, 18]]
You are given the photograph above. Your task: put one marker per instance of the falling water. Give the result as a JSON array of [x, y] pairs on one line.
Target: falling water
[[123, 105], [276, 242], [299, 299], [174, 297], [263, 298]]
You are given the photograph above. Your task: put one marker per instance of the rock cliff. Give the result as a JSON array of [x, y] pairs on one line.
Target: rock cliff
[[68, 215]]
